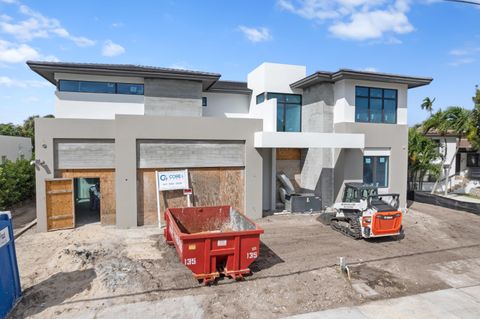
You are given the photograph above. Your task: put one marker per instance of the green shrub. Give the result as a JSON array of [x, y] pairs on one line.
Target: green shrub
[[17, 182]]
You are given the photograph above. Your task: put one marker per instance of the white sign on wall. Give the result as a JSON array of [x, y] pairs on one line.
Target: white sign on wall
[[172, 180]]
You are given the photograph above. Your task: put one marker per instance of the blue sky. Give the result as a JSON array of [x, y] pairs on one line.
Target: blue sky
[[423, 37]]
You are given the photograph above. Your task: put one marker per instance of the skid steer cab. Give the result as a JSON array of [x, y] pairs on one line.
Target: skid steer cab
[[363, 213]]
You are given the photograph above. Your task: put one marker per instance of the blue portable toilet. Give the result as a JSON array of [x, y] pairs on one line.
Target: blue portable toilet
[[10, 289]]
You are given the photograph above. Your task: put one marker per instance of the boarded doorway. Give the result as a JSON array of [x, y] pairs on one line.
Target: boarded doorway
[[107, 182], [87, 194], [60, 204]]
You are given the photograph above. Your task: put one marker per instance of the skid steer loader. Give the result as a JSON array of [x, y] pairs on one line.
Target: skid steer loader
[[363, 213]]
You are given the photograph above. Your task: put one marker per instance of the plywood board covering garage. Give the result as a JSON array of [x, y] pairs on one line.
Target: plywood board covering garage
[[107, 189], [84, 153], [211, 186], [190, 153]]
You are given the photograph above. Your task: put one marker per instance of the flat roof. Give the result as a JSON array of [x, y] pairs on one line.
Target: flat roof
[[48, 69], [342, 74]]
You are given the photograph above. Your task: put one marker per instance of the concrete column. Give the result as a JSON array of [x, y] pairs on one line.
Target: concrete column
[[126, 177], [44, 155]]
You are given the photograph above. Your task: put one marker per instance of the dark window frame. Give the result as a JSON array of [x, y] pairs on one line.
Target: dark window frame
[[374, 172], [284, 103], [114, 83], [204, 101], [117, 83], [469, 155], [383, 98]]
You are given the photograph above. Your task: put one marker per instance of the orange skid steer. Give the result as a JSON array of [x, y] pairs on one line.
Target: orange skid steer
[[363, 213]]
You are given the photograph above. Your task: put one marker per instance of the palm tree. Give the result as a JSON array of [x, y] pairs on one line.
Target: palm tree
[[427, 104], [456, 120], [422, 154]]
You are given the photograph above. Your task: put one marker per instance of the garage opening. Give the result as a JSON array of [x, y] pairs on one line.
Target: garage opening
[[87, 192]]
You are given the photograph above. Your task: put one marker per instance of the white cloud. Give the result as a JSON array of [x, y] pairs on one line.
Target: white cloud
[[117, 24], [466, 55], [370, 69], [179, 66], [372, 25], [462, 61], [9, 82], [111, 48], [16, 53], [256, 34], [355, 19], [11, 53], [37, 25], [464, 51]]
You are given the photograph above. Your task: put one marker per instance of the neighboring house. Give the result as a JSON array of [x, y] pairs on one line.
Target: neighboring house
[[120, 123], [13, 148], [465, 163]]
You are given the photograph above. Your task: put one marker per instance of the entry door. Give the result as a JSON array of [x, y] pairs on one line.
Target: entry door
[[60, 204]]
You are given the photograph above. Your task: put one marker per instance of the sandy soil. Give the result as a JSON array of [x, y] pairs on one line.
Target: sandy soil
[[99, 272]]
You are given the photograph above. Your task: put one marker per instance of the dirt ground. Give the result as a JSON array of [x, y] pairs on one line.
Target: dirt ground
[[23, 213], [104, 272]]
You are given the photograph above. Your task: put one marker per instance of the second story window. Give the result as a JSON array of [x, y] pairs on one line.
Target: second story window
[[204, 101], [375, 105], [289, 111], [100, 87], [260, 98]]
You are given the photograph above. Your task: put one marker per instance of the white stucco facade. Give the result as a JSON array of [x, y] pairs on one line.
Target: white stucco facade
[[447, 147], [226, 105], [97, 105]]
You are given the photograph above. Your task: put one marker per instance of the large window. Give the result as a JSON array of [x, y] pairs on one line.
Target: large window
[[100, 87], [289, 110], [375, 105], [375, 170]]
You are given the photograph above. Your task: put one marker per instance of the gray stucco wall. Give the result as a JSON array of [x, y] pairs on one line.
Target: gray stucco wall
[[188, 153], [84, 153], [46, 131], [383, 136], [317, 170], [165, 97], [268, 200], [13, 147], [126, 130]]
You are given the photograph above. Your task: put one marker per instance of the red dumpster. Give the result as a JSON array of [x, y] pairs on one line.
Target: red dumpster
[[212, 241]]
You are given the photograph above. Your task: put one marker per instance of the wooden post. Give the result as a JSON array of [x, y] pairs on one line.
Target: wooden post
[[158, 200]]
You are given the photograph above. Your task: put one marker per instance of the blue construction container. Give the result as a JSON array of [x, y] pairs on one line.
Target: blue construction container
[[10, 289]]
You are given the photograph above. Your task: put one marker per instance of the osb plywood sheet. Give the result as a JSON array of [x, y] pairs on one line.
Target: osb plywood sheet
[[288, 154], [210, 186], [60, 214], [107, 189]]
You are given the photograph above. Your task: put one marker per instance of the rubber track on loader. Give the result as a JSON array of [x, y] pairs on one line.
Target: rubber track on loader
[[354, 231]]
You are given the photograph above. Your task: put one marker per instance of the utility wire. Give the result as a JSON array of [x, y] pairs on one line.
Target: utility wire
[[464, 1]]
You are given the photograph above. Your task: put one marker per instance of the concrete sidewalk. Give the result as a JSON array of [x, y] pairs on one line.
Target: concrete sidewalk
[[449, 303]]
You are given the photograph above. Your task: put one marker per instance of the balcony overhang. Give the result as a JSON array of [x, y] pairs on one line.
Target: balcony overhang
[[308, 140]]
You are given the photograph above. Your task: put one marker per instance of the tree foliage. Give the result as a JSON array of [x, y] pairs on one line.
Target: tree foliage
[[455, 120], [17, 181], [427, 104], [423, 154]]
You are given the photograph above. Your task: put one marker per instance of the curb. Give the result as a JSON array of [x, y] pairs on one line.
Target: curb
[[24, 229]]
